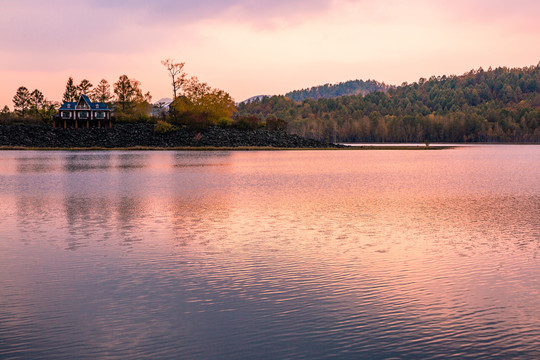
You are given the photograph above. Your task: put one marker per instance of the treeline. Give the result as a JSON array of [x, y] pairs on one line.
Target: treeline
[[125, 98], [497, 105], [352, 87]]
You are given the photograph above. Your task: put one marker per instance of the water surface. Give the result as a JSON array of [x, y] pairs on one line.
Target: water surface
[[292, 254]]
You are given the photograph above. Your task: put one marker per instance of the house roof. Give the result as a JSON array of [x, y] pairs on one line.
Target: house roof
[[68, 106], [93, 105], [86, 98]]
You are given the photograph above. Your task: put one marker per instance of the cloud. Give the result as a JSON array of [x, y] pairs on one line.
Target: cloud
[[203, 9], [58, 29]]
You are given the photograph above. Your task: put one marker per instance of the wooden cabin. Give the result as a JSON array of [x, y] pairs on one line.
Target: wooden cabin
[[83, 113]]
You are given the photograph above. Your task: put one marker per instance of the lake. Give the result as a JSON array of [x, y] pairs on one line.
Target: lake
[[347, 254]]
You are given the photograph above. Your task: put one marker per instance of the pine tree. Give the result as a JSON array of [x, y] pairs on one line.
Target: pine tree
[[21, 100], [102, 92], [70, 94], [127, 92], [36, 101], [5, 112], [84, 87]]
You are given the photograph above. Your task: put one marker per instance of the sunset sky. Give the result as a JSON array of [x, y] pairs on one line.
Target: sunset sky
[[258, 47]]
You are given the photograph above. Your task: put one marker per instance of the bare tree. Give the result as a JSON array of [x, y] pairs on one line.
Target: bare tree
[[177, 74]]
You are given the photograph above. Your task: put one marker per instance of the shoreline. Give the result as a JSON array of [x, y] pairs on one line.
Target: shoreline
[[225, 148]]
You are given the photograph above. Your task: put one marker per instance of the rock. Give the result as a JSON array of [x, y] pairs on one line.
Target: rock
[[131, 135]]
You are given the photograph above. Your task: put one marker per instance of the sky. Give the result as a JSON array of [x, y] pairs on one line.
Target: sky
[[256, 47]]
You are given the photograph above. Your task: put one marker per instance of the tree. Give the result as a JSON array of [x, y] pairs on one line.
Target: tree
[[48, 110], [36, 101], [70, 94], [127, 92], [177, 74], [21, 100], [84, 87], [5, 112], [102, 92], [202, 103], [147, 97]]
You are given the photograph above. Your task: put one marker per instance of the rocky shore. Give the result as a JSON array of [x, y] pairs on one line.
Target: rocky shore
[[143, 135]]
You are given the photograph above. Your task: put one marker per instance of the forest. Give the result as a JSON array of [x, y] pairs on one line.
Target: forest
[[497, 105], [352, 87]]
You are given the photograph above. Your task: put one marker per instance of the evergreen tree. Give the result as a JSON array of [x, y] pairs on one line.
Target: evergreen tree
[[36, 101], [127, 92], [84, 88], [102, 92], [70, 94], [5, 112], [21, 100]]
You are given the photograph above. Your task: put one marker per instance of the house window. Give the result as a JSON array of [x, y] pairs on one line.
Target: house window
[[69, 106], [97, 106], [100, 115], [83, 115], [66, 114]]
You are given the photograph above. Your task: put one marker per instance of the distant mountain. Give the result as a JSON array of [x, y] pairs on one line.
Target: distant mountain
[[327, 91], [161, 107], [253, 98], [164, 101]]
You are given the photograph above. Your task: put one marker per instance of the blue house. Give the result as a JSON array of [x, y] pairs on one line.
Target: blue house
[[83, 113]]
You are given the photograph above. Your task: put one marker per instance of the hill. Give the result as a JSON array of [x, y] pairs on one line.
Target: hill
[[352, 87], [497, 105]]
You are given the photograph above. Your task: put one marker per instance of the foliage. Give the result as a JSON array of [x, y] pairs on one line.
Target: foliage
[[480, 106], [5, 114], [126, 90], [129, 99], [224, 122], [31, 107], [247, 122], [102, 92], [84, 88], [71, 93], [21, 101], [275, 124], [163, 127], [36, 101], [353, 87], [201, 105]]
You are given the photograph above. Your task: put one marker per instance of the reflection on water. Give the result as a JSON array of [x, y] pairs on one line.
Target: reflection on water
[[301, 254]]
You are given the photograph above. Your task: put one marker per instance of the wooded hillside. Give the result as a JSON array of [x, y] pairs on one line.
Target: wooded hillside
[[353, 87], [497, 105]]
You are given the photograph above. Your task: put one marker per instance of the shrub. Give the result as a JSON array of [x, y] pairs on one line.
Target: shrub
[[247, 122], [163, 127], [121, 117], [224, 122], [276, 124]]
